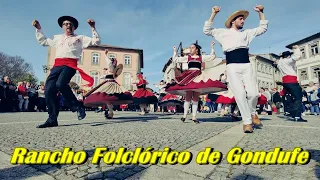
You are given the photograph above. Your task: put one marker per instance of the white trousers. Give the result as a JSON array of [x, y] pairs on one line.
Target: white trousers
[[244, 87]]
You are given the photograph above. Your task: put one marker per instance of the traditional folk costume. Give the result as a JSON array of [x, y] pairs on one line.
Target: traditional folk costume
[[287, 67], [143, 96], [171, 100], [68, 51], [194, 80], [239, 70], [109, 92]]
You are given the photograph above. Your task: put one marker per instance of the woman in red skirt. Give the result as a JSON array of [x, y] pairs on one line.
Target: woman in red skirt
[[143, 96], [109, 92], [227, 98], [194, 82]]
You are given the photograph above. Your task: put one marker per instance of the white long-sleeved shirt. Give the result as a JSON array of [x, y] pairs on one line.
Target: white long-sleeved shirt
[[287, 66], [68, 46], [184, 59], [161, 88], [231, 39]]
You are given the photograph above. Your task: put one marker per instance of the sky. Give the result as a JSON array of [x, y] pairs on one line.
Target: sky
[[154, 26]]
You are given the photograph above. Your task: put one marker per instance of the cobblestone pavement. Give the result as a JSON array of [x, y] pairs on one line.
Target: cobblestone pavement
[[278, 132], [130, 130]]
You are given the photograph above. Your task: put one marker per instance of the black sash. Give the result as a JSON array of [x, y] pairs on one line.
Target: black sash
[[109, 76], [142, 86], [238, 56], [194, 65]]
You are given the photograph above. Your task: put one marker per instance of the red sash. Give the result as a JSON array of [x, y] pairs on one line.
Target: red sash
[[72, 63], [289, 79]]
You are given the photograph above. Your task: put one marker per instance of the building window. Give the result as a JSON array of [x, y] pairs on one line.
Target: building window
[[270, 70], [112, 56], [303, 74], [127, 81], [314, 49], [315, 71], [303, 53], [258, 67], [271, 85], [127, 61], [266, 70], [77, 78], [262, 68], [95, 58], [95, 76]]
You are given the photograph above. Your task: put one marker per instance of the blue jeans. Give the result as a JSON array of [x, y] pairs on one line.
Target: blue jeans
[[315, 108], [303, 108]]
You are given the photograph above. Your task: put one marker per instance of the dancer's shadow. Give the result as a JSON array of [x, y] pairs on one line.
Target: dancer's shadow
[[315, 155], [218, 119], [116, 121]]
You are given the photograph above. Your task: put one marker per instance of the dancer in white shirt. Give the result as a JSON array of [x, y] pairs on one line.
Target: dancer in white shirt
[[68, 50], [235, 45], [287, 67]]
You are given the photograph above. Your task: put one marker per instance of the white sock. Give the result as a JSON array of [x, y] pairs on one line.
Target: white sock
[[186, 108], [194, 108], [110, 108], [142, 108]]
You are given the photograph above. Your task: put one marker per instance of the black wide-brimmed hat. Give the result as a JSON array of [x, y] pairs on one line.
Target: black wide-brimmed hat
[[68, 18], [285, 54]]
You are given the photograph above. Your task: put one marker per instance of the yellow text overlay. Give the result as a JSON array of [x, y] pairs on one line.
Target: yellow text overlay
[[22, 155], [277, 156], [143, 156]]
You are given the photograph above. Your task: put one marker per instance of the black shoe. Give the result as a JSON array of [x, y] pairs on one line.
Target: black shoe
[[81, 113], [183, 119], [196, 121], [301, 120], [48, 123]]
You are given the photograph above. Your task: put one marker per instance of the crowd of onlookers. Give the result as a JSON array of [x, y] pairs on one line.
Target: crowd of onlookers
[[22, 96], [26, 97]]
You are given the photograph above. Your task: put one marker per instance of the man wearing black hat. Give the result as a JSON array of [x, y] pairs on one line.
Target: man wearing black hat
[[235, 44], [68, 51], [287, 67]]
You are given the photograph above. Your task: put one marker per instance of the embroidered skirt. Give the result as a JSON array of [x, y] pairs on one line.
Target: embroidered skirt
[[195, 81], [144, 96], [170, 100], [109, 92]]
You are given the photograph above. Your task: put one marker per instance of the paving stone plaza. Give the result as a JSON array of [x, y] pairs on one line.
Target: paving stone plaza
[[130, 130]]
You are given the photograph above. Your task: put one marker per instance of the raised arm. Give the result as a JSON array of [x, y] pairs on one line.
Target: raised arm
[[95, 40], [263, 26], [212, 55], [296, 53], [41, 38], [177, 59], [207, 29]]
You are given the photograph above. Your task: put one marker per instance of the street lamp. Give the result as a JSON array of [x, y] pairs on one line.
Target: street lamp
[[45, 68]]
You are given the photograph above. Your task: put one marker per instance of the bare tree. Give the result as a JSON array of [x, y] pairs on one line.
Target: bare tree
[[16, 68]]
